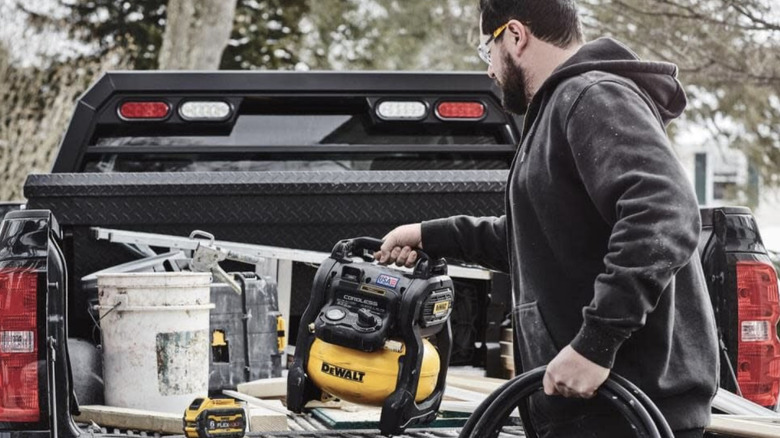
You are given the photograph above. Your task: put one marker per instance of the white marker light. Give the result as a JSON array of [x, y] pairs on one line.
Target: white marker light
[[17, 342], [401, 110], [207, 110], [755, 331]]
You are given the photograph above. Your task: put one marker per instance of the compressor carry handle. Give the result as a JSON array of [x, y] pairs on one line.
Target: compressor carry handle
[[424, 268], [356, 246]]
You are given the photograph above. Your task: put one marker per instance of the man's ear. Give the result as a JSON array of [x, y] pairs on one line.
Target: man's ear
[[518, 34]]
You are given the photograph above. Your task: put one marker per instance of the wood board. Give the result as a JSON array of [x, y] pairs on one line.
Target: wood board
[[266, 420], [484, 385], [735, 426], [271, 405], [274, 387], [133, 419]]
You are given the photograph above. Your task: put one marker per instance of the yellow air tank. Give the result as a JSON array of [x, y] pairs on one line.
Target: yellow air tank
[[367, 378]]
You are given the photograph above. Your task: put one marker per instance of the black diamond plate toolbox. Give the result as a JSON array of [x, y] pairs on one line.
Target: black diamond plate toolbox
[[285, 199], [303, 210]]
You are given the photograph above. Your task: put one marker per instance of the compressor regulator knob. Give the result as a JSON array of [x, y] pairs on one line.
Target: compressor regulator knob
[[366, 318]]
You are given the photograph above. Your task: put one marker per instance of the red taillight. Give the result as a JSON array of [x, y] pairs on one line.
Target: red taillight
[[144, 110], [460, 110], [19, 346], [758, 356]]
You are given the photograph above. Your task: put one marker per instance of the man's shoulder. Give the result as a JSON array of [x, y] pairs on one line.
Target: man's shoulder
[[572, 90], [577, 84]]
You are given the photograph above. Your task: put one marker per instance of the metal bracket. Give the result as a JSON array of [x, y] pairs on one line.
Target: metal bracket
[[249, 253]]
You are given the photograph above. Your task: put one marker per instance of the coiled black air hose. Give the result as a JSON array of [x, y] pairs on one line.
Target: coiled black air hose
[[636, 407]]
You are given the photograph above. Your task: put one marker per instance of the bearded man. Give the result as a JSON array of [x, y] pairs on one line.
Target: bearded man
[[601, 227]]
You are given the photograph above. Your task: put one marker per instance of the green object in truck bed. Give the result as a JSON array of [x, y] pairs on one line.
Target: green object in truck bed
[[368, 418]]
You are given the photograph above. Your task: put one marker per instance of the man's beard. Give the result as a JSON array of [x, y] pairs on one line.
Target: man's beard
[[514, 87]]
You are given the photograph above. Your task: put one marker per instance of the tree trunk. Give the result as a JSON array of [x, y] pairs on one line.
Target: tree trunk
[[196, 34]]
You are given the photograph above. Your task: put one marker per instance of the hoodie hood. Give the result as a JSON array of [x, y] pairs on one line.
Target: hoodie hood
[[657, 79]]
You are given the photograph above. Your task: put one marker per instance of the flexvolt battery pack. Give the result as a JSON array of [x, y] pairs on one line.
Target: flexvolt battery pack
[[215, 418]]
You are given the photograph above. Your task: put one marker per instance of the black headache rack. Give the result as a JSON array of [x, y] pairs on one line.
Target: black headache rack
[[274, 125], [149, 121]]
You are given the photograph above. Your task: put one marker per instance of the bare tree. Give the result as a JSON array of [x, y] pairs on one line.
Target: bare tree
[[723, 41], [196, 34], [37, 105], [728, 52]]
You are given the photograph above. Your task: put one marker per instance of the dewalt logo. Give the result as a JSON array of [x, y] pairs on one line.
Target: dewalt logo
[[355, 376]]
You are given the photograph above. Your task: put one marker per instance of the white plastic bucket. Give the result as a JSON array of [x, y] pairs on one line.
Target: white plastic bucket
[[155, 329]]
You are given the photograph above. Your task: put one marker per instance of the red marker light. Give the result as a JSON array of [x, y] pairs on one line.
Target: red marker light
[[144, 110], [460, 110]]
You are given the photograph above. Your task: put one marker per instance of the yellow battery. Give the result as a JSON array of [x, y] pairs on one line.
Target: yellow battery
[[281, 337], [213, 418]]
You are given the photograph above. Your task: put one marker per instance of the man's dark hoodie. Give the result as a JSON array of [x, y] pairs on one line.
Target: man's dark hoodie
[[600, 234]]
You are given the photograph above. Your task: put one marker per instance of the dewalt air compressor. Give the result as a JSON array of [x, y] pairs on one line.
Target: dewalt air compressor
[[375, 335]]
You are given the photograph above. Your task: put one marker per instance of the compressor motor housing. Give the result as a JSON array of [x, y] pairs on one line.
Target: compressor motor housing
[[375, 335]]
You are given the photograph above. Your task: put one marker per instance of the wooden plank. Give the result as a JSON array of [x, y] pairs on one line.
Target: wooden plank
[[484, 385], [266, 420], [265, 388], [261, 419], [772, 420], [271, 405], [135, 419], [506, 348], [264, 415], [332, 403], [742, 428], [506, 334], [465, 407], [508, 362], [492, 381], [453, 392]]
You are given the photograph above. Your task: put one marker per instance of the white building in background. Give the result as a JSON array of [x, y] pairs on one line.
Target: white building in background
[[768, 217], [724, 177]]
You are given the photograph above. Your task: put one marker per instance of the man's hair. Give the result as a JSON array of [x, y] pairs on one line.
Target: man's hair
[[554, 21]]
